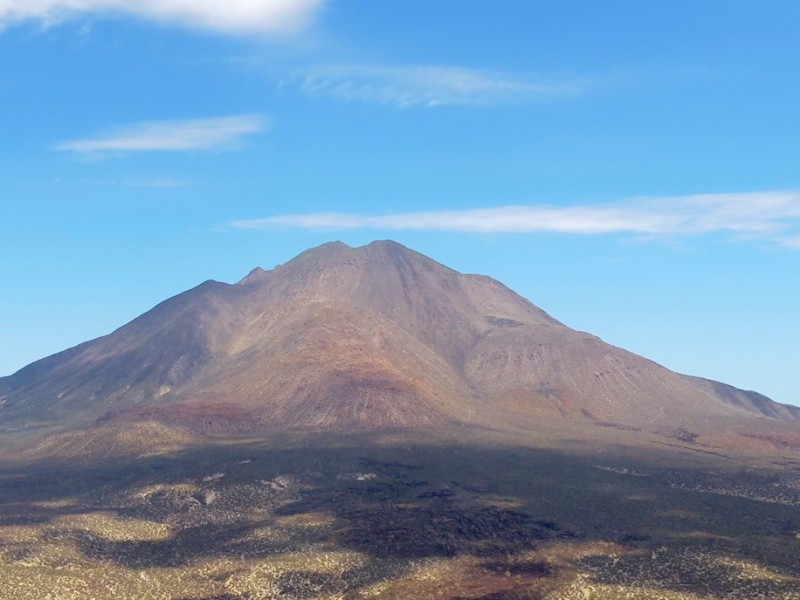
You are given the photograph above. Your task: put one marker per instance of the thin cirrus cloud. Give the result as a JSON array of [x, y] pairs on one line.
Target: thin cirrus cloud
[[217, 133], [771, 215], [430, 85], [230, 17], [162, 182]]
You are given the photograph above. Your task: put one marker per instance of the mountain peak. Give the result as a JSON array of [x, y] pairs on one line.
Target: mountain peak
[[388, 245], [398, 253], [367, 337], [332, 246], [253, 276]]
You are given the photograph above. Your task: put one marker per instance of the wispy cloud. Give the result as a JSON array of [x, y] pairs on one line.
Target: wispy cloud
[[219, 133], [231, 16], [772, 215], [430, 85], [162, 182]]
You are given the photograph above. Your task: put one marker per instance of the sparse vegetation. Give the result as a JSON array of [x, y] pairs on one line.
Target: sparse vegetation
[[398, 516], [367, 423]]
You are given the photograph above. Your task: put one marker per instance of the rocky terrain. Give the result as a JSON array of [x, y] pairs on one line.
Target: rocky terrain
[[375, 337], [399, 516], [367, 423]]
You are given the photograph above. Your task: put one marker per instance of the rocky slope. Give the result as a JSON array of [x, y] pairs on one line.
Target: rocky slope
[[363, 338]]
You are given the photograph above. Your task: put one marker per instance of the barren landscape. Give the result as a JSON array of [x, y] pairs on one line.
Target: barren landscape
[[366, 423], [466, 514]]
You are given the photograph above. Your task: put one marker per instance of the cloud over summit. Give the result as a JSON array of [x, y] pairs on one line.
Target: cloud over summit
[[767, 215]]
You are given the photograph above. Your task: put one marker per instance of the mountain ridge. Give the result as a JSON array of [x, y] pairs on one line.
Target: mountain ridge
[[377, 336]]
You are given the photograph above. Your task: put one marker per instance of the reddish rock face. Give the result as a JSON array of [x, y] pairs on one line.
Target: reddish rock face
[[375, 337]]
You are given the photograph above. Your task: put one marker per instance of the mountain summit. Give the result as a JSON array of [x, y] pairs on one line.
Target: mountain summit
[[361, 338]]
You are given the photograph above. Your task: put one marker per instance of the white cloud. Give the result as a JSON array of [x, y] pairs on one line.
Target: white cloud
[[429, 85], [231, 16], [163, 182], [216, 133], [773, 215]]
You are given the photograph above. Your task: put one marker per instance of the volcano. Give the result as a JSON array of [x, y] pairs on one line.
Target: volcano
[[366, 422], [368, 338]]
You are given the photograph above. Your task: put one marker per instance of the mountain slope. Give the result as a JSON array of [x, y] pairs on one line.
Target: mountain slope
[[361, 338]]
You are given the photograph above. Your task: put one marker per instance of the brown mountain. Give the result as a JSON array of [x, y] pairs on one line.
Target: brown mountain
[[366, 338]]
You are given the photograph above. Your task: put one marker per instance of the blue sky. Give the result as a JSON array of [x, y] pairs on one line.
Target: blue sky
[[631, 167]]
